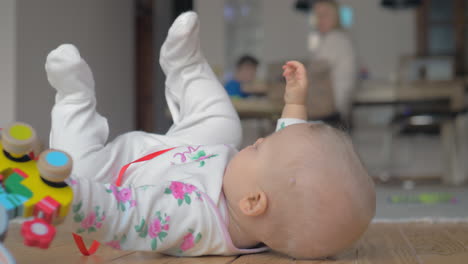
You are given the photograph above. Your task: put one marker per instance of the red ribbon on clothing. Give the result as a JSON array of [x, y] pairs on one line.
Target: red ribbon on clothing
[[153, 155], [95, 245]]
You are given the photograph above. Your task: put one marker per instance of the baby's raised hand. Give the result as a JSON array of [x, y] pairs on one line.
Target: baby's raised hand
[[296, 83]]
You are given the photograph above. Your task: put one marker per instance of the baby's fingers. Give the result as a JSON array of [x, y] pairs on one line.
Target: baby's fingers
[[297, 66], [287, 71]]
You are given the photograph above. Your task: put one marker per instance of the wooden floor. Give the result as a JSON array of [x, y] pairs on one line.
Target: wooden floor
[[383, 243]]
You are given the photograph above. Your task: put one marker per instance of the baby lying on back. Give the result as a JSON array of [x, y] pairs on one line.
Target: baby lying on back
[[301, 191]]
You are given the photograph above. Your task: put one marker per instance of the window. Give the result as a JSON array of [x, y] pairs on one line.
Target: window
[[442, 31]]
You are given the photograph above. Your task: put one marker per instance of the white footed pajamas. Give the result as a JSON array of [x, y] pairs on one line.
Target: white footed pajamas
[[172, 203], [199, 105]]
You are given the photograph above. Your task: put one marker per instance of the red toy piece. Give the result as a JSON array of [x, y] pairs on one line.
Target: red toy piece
[[47, 209], [37, 233]]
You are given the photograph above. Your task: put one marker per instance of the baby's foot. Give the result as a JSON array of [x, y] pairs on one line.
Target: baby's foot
[[182, 45], [68, 73]]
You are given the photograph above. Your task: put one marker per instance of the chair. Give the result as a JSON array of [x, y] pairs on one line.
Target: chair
[[425, 118]]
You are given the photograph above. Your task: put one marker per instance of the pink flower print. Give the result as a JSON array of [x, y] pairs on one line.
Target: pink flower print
[[182, 192], [168, 218], [113, 189], [124, 195], [114, 244], [177, 189], [89, 220], [154, 228], [157, 230], [189, 188], [188, 242]]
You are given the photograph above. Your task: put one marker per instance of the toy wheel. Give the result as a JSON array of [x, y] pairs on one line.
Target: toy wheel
[[18, 138], [54, 165], [37, 233]]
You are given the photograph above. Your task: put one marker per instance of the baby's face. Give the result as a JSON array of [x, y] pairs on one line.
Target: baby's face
[[253, 164]]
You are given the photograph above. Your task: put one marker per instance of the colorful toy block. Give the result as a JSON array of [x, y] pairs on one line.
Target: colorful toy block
[[47, 209], [12, 203], [13, 185], [37, 233], [32, 187]]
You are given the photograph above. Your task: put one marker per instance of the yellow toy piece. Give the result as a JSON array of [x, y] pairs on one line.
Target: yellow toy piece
[[43, 191]]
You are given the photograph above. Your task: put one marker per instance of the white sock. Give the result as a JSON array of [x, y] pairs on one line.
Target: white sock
[[68, 73], [182, 45], [184, 65]]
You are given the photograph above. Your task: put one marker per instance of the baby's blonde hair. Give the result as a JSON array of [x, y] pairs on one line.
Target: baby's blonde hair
[[325, 162]]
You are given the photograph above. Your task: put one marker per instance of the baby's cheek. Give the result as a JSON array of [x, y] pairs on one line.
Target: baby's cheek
[[242, 162]]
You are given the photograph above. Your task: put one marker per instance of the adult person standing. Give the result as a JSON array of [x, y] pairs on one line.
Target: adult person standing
[[335, 55]]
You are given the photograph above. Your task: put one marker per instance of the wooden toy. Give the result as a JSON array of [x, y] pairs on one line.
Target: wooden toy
[[33, 186], [18, 140]]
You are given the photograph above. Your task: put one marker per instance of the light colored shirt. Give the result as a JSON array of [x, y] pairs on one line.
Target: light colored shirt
[[336, 49]]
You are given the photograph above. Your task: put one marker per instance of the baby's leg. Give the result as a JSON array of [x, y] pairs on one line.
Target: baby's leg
[[201, 109], [76, 126]]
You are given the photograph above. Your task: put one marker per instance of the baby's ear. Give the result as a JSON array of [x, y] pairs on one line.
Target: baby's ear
[[254, 204]]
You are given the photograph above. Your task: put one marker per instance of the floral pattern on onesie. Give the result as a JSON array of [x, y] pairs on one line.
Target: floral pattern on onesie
[[195, 154], [157, 228], [123, 197], [117, 242], [90, 222], [182, 192], [189, 241]]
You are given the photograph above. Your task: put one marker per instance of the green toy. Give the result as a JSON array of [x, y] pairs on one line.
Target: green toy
[[424, 198]]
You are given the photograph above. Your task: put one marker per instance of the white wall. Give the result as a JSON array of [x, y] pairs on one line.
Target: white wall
[[286, 31], [7, 61], [211, 30], [381, 36], [102, 30]]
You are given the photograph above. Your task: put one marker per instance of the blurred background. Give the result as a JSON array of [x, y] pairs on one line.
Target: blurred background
[[393, 73]]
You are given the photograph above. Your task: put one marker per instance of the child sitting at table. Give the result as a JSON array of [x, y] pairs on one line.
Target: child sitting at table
[[301, 191], [246, 70]]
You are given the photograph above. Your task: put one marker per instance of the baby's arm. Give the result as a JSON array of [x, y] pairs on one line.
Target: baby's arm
[[295, 95]]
